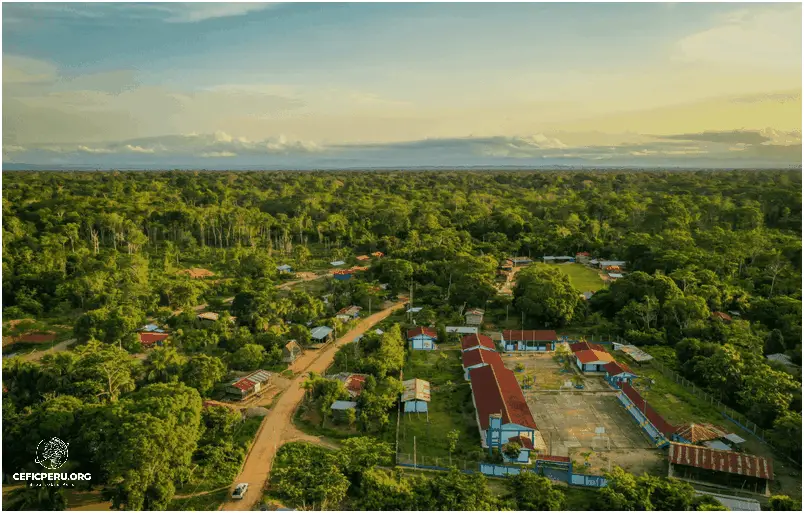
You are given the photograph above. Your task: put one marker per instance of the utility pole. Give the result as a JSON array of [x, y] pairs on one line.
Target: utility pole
[[369, 306], [414, 451], [506, 312]]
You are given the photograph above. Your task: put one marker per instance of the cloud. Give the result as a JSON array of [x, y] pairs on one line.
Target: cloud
[[766, 37], [218, 154], [194, 12], [24, 70], [732, 137]]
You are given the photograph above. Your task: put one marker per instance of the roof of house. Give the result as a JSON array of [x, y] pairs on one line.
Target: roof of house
[[416, 390], [734, 503], [475, 311], [717, 445], [462, 329], [349, 310], [657, 420], [562, 459], [531, 335], [251, 380], [153, 328], [209, 316], [721, 461], [615, 368], [780, 357], [377, 254], [592, 356], [606, 263], [582, 253], [422, 330], [524, 441], [474, 340], [697, 432], [479, 356], [581, 346], [734, 438], [197, 272], [634, 352], [355, 383], [292, 346], [362, 257], [151, 338], [721, 315], [615, 275], [284, 267], [521, 259], [496, 391], [343, 405], [320, 332], [337, 263]]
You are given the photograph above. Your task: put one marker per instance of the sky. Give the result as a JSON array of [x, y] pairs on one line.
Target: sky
[[330, 85]]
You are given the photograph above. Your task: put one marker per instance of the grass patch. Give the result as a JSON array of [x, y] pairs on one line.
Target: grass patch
[[206, 502], [450, 408], [582, 278], [580, 499], [673, 401]]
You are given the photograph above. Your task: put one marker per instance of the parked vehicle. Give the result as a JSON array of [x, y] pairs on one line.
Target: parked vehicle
[[240, 491]]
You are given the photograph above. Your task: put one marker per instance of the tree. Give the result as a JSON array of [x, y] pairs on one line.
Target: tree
[[163, 365], [783, 503], [307, 476], [533, 492], [452, 442], [203, 372], [248, 357], [359, 455], [545, 296]]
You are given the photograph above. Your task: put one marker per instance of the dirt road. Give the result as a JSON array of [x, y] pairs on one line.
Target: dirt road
[[304, 277], [278, 421], [35, 356]]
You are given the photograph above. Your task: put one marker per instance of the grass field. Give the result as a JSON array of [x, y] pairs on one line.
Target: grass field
[[582, 278], [450, 408], [207, 502]]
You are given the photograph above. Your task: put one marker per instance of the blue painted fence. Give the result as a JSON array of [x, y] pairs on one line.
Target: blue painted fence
[[494, 470], [656, 437], [584, 480]]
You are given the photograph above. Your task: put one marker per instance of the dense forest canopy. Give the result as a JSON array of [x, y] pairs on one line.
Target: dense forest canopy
[[104, 252]]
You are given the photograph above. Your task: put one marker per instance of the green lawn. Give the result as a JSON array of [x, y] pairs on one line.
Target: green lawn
[[207, 502], [450, 408], [673, 401], [582, 278]]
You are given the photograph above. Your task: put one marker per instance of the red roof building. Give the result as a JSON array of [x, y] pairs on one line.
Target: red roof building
[[495, 391], [696, 433], [422, 330], [355, 383], [593, 356], [149, 339], [362, 258], [720, 461], [477, 341], [530, 336], [475, 357], [524, 441], [580, 346], [617, 368], [36, 338], [657, 420]]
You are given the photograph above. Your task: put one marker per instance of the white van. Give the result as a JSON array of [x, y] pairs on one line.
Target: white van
[[240, 491]]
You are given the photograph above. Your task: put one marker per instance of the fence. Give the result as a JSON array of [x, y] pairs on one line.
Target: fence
[[638, 408], [734, 416], [436, 463]]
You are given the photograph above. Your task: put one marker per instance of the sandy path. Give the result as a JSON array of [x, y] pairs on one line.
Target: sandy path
[[35, 356], [278, 422]]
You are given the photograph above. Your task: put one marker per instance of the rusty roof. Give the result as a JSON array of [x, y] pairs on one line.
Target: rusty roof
[[474, 340], [721, 461], [698, 432], [150, 338], [530, 335], [496, 391], [614, 368], [422, 330]]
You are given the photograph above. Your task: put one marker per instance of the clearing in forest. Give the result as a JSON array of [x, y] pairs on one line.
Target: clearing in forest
[[582, 278]]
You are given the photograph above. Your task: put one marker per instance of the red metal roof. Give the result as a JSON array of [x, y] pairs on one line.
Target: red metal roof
[[721, 315], [530, 335], [697, 433], [37, 337], [355, 383], [655, 419], [614, 368], [721, 461], [480, 356], [362, 257], [422, 330], [562, 459], [496, 391], [592, 355], [580, 346], [524, 441], [474, 340], [152, 338], [582, 253]]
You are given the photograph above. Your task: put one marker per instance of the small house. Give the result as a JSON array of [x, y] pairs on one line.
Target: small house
[[476, 341], [474, 317], [780, 358], [414, 309], [343, 275], [250, 384], [462, 330], [475, 358], [150, 339], [337, 263], [415, 396], [422, 338], [592, 360], [617, 373], [339, 409], [354, 383], [615, 276], [521, 261], [507, 265], [152, 328], [605, 264], [362, 258], [321, 335], [291, 351], [587, 295], [349, 313], [582, 257], [377, 254], [284, 268], [529, 340], [558, 259], [209, 316]]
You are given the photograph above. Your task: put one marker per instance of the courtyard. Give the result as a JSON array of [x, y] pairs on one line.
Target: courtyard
[[544, 371], [568, 422]]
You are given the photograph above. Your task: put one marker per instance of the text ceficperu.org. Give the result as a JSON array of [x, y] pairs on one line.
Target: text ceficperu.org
[[52, 476]]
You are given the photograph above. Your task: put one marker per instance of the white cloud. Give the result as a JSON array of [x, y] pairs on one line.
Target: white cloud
[[762, 37], [86, 149], [217, 154], [138, 149], [193, 12], [24, 70]]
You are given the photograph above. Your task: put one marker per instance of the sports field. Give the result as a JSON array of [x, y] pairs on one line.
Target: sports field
[[582, 278]]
